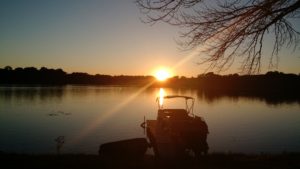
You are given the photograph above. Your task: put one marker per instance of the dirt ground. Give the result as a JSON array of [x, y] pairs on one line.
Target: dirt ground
[[210, 161]]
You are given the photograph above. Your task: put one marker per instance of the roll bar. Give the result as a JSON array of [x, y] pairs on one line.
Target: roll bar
[[189, 108]]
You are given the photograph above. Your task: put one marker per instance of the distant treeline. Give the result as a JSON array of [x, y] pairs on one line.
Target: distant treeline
[[234, 82], [275, 82], [45, 76]]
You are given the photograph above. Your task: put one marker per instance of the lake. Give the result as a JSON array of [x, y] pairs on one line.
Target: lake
[[77, 119]]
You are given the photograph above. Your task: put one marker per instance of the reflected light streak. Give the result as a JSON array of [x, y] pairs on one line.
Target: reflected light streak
[[188, 57], [103, 116]]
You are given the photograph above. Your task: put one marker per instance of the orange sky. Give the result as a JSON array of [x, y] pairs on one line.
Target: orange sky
[[105, 37]]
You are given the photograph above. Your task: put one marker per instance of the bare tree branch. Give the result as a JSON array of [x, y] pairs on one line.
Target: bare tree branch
[[229, 28]]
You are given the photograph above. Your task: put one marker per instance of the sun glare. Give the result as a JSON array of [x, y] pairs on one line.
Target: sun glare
[[162, 74]]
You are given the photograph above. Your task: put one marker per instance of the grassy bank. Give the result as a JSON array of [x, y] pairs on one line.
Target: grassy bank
[[211, 161]]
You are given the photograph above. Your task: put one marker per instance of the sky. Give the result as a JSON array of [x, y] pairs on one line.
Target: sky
[[99, 36]]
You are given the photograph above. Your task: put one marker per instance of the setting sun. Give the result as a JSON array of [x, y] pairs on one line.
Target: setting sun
[[162, 74]]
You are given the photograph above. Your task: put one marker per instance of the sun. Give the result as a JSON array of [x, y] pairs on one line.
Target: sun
[[162, 74]]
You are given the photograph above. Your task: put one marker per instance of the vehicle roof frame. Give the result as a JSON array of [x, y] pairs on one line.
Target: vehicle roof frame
[[188, 108]]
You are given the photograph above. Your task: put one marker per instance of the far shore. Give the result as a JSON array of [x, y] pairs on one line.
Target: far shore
[[268, 82]]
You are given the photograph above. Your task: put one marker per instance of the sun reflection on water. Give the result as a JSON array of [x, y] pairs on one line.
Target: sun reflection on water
[[162, 94]]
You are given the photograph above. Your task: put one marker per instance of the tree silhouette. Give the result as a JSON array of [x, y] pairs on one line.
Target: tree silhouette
[[230, 28]]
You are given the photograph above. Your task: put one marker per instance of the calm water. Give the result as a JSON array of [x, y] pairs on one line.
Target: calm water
[[80, 118]]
